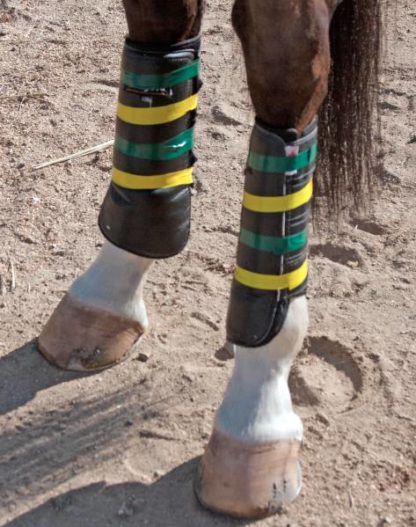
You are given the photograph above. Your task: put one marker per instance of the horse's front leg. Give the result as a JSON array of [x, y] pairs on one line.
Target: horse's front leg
[[146, 213], [250, 466]]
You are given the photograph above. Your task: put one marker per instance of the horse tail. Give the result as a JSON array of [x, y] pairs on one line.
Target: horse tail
[[349, 120]]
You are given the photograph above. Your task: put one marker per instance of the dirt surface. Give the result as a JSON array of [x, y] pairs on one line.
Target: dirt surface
[[120, 448]]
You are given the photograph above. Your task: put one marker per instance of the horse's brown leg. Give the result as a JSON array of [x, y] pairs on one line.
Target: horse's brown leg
[[146, 213], [250, 467], [162, 22], [286, 50]]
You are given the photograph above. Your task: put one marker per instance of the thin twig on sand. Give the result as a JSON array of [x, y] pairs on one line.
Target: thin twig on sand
[[22, 97], [350, 498], [81, 153], [13, 276]]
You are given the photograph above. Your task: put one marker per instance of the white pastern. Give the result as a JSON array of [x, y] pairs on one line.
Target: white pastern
[[257, 406], [114, 282]]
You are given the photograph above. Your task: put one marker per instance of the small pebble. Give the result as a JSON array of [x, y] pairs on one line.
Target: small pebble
[[323, 419], [143, 357], [126, 510], [385, 521], [374, 357]]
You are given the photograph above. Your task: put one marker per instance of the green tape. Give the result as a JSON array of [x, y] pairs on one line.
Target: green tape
[[142, 81], [171, 149], [269, 164], [274, 244]]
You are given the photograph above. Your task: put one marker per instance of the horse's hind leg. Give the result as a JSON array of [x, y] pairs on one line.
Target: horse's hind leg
[[146, 212], [250, 467]]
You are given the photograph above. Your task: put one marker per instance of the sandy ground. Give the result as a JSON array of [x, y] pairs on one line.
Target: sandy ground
[[120, 448]]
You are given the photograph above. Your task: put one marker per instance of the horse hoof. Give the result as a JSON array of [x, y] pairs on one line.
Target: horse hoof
[[248, 481], [82, 338]]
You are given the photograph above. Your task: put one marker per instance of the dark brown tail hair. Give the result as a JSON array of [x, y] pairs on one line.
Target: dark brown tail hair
[[349, 121]]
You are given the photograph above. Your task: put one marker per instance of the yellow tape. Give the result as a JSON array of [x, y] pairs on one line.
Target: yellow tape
[[158, 114], [133, 182], [271, 282], [278, 203]]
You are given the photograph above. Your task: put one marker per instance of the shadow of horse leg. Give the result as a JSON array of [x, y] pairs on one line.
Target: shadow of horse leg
[[167, 502], [23, 374]]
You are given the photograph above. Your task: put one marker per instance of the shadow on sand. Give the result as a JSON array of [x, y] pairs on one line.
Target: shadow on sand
[[169, 502], [24, 373], [62, 442]]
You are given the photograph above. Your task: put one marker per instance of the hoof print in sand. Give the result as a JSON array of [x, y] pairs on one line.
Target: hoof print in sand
[[338, 254], [328, 377], [370, 226]]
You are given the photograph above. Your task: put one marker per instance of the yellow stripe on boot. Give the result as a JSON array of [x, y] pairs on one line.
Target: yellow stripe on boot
[[278, 203], [157, 114], [135, 182], [271, 282]]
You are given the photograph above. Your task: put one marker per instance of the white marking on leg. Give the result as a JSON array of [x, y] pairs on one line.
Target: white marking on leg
[[114, 282], [257, 406]]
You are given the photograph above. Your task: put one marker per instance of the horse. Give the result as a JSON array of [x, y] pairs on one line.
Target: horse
[[302, 58]]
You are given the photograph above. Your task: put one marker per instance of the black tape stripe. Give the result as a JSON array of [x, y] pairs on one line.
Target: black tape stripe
[[264, 262], [271, 224], [294, 260], [298, 219], [262, 184], [147, 167], [152, 134]]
